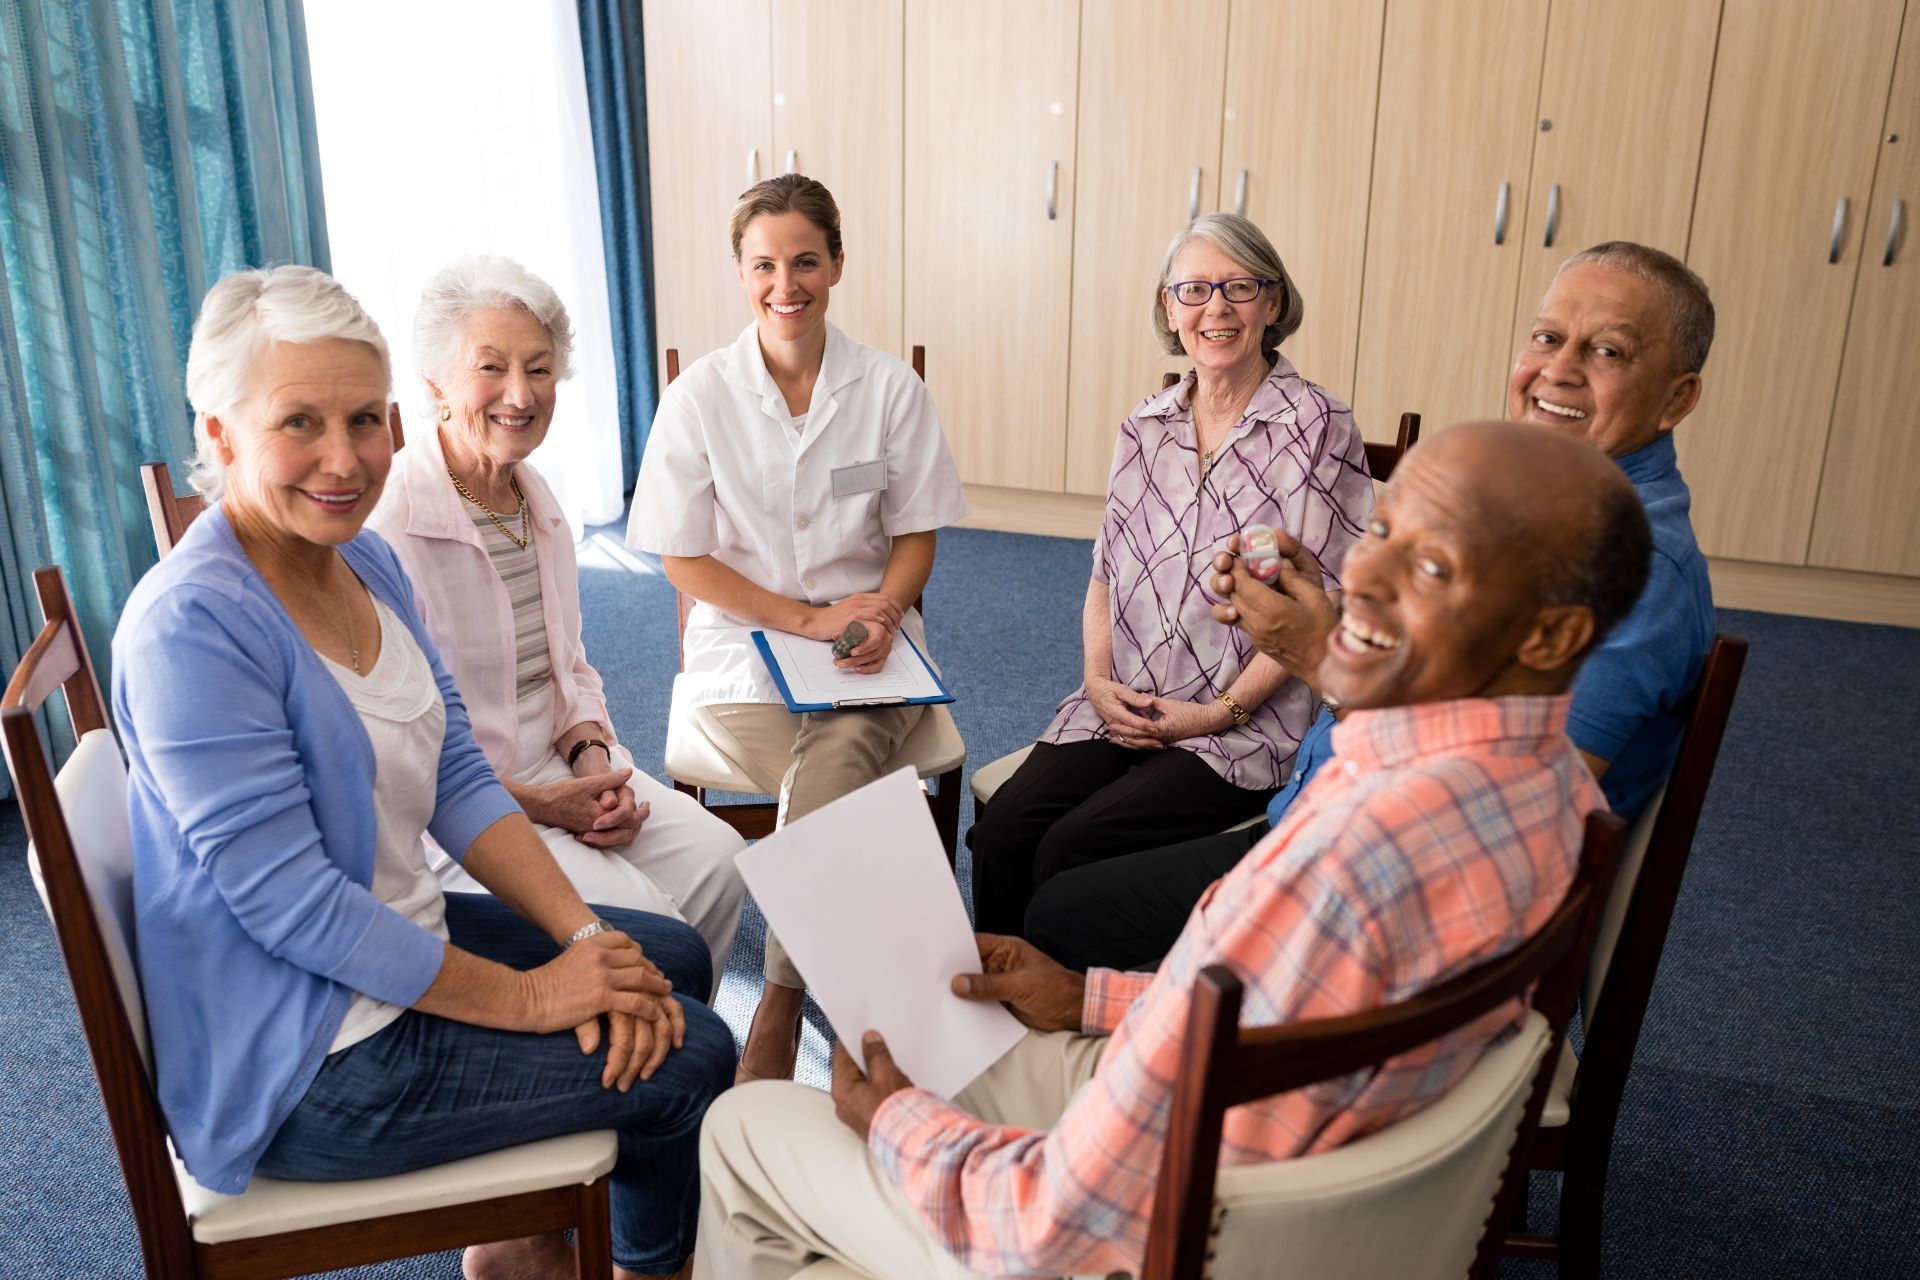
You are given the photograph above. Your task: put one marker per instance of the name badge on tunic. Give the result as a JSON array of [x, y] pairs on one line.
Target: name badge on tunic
[[860, 477]]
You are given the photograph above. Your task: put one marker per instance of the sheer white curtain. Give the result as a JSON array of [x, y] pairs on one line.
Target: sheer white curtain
[[460, 126]]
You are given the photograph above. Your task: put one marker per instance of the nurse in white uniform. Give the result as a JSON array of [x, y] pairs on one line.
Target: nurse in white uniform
[[795, 481]]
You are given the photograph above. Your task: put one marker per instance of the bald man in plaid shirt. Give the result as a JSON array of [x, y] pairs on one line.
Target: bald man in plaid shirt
[[1446, 832]]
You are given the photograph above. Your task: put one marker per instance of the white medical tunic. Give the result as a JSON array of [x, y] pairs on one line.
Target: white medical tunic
[[801, 511]]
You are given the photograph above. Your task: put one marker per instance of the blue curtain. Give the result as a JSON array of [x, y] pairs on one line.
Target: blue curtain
[[147, 148], [610, 42]]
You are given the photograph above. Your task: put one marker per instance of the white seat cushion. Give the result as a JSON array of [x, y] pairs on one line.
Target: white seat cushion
[[989, 778], [933, 748], [270, 1206]]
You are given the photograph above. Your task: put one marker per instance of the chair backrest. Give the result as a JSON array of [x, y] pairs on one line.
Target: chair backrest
[[1632, 932], [83, 864], [1224, 1066], [683, 603], [171, 514], [1381, 458]]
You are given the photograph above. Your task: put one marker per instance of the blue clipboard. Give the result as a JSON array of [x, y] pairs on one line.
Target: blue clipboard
[[844, 704]]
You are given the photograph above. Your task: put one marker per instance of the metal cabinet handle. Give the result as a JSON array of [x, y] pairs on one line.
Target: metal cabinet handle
[[1053, 190], [1193, 195], [1240, 194], [793, 160], [753, 165], [1893, 231], [1553, 212], [1500, 213], [1839, 230]]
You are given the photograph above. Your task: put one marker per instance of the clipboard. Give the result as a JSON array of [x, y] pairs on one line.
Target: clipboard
[[906, 654]]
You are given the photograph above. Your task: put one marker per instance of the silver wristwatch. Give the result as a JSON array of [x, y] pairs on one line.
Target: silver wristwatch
[[588, 930]]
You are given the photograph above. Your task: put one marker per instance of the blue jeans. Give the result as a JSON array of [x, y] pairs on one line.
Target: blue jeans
[[425, 1090]]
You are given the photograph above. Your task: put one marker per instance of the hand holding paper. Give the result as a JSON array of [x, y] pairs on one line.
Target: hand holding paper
[[860, 893]]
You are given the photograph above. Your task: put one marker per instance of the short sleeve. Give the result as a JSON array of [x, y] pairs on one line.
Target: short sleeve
[[674, 512], [1645, 666], [1123, 476], [923, 486], [1339, 488]]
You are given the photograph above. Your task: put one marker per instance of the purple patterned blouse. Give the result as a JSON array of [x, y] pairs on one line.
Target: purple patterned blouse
[[1294, 461]]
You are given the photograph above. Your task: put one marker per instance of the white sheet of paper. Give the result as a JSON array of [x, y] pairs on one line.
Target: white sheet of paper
[[813, 679], [861, 894]]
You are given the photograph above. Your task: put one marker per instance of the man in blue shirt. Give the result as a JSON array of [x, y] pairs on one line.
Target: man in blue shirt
[[1613, 357]]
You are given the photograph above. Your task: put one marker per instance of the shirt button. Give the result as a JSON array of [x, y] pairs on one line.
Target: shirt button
[[807, 583], [1353, 770], [802, 523]]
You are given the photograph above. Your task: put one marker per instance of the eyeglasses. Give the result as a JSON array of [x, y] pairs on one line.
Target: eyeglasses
[[1197, 293]]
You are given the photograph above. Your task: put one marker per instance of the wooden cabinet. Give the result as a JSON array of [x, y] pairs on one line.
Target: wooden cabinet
[[1778, 228], [837, 98], [1623, 103], [1868, 514], [704, 148], [1296, 156], [1458, 83], [1150, 74], [990, 94]]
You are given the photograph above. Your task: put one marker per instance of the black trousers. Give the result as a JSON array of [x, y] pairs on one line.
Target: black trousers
[[1082, 802], [1125, 913]]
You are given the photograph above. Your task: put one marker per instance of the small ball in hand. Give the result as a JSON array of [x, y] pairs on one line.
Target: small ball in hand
[[852, 638]]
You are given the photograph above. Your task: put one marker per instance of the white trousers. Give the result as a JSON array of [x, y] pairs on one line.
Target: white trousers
[[783, 1183], [680, 865]]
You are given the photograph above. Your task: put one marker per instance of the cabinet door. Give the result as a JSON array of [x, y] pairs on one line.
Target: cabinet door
[[1869, 510], [709, 137], [837, 98], [1798, 97], [1150, 74], [1296, 153], [989, 219], [1459, 80], [1623, 103]]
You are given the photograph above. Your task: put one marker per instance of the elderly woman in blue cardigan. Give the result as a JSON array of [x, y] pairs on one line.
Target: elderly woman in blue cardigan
[[320, 1009]]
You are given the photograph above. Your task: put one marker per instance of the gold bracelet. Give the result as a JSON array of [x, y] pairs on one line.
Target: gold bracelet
[[1239, 713]]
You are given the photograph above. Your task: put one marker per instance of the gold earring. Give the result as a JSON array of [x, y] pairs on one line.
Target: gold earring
[[446, 414]]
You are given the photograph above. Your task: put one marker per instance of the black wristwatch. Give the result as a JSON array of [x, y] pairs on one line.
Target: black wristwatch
[[582, 745]]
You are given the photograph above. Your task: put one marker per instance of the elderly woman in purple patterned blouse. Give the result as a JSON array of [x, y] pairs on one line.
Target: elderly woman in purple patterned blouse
[[1181, 726]]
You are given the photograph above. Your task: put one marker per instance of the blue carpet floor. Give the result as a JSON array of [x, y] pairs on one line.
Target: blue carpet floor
[[1772, 1124]]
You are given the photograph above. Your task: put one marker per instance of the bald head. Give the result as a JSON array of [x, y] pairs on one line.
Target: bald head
[[1556, 503], [1497, 557]]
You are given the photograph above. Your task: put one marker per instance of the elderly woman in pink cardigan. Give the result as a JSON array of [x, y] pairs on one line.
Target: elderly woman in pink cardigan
[[492, 564]]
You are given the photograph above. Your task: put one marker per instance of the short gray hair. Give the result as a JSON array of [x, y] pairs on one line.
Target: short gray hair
[[484, 282], [1689, 308], [1247, 245], [240, 318]]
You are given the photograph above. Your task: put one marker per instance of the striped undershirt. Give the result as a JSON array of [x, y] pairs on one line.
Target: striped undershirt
[[519, 570]]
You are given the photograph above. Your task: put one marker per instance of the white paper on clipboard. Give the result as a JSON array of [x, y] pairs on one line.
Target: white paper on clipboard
[[807, 677], [862, 897]]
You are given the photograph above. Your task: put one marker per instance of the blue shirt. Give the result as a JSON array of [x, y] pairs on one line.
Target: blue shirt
[[250, 795], [1625, 697]]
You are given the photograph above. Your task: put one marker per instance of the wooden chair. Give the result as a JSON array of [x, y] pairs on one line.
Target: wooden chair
[[1381, 458], [82, 861], [934, 748], [1427, 1211], [171, 514], [1583, 1102], [1414, 1201]]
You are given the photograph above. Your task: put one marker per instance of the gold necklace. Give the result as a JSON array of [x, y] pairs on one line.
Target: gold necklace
[[520, 539]]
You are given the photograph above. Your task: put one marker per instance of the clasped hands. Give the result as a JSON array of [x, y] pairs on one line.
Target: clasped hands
[[608, 975], [1042, 993], [596, 804], [878, 612]]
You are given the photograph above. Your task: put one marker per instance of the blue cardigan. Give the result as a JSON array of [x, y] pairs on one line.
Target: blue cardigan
[[251, 800]]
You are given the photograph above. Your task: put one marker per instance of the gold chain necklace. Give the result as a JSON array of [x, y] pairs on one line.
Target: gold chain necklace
[[520, 539]]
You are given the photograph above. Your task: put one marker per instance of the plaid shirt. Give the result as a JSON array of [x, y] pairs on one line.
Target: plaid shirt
[[1440, 836]]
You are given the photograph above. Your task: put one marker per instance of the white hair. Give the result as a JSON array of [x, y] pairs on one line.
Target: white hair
[[242, 316], [1249, 247], [483, 282]]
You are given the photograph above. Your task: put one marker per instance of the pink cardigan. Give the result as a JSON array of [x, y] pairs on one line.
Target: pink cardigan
[[465, 603]]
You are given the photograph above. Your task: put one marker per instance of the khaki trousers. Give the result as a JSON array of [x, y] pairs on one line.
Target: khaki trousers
[[808, 759], [784, 1183]]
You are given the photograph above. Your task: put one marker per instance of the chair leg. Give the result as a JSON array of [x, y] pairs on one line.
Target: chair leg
[[1583, 1193], [593, 1233], [946, 814]]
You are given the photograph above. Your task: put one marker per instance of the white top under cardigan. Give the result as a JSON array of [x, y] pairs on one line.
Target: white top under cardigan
[[399, 704], [726, 474]]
